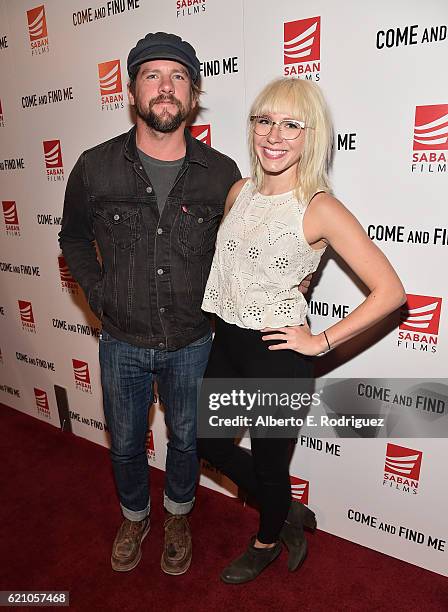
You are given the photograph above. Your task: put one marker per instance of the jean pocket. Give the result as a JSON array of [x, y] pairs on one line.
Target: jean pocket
[[199, 226], [121, 223], [202, 341]]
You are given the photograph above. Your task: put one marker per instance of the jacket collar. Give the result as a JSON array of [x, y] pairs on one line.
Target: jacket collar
[[194, 151]]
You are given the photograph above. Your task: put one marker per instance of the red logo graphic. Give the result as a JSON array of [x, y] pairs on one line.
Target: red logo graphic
[[109, 74], [37, 23], [421, 313], [300, 489], [302, 41], [202, 133], [150, 441], [402, 461], [431, 127], [150, 450], [81, 371], [1, 109], [26, 312], [52, 153], [10, 213], [64, 272], [41, 401]]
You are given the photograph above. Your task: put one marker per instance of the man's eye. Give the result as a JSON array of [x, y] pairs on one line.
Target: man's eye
[[179, 76], [150, 76]]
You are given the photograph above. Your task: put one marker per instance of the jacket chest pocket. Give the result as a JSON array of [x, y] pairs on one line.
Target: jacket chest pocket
[[198, 227], [122, 223]]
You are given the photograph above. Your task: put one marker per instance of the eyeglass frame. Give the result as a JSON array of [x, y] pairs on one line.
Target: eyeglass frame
[[301, 124]]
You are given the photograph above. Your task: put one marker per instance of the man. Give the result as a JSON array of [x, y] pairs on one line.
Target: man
[[152, 200]]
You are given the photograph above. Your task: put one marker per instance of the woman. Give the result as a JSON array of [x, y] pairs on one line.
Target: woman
[[276, 226]]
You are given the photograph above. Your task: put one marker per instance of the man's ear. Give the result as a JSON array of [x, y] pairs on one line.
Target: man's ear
[[194, 101], [131, 97]]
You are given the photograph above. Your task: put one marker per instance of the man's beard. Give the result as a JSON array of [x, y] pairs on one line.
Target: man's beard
[[165, 122]]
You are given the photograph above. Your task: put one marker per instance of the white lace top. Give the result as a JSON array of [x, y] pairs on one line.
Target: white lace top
[[260, 259]]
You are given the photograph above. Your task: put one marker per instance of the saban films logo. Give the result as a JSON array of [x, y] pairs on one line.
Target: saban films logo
[[27, 316], [69, 285], [37, 30], [186, 8], [53, 160], [42, 403], [202, 133], [82, 375], [150, 450], [111, 88], [430, 138], [11, 218], [419, 327], [300, 489], [402, 468], [301, 49]]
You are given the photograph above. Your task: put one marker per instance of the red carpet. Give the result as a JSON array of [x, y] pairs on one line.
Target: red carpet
[[59, 515]]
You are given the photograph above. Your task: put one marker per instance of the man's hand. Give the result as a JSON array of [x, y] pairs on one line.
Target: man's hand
[[305, 284]]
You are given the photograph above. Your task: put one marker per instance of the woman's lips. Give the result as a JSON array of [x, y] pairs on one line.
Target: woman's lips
[[273, 153]]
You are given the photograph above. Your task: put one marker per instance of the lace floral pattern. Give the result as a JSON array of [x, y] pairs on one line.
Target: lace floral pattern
[[260, 259]]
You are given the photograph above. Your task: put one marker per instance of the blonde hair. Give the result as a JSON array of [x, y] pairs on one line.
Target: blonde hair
[[301, 100]]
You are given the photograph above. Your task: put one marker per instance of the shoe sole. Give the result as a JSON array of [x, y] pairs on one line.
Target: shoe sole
[[128, 568]]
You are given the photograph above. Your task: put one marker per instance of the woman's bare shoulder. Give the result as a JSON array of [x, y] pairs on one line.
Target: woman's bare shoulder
[[234, 193]]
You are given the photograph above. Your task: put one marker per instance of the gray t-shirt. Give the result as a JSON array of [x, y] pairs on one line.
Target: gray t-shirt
[[162, 175]]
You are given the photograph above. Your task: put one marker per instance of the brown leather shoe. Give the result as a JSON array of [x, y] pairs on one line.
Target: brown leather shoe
[[126, 550], [176, 557]]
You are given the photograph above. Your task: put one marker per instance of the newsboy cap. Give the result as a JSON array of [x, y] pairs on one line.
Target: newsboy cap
[[160, 45]]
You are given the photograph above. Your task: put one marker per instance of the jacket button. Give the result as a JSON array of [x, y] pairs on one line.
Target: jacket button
[[116, 217], [162, 309], [159, 230], [149, 190], [161, 345], [160, 271], [200, 220]]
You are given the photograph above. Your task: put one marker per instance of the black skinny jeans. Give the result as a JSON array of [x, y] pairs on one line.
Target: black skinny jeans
[[264, 474]]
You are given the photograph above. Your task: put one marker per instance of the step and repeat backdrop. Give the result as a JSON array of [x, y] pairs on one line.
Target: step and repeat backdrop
[[382, 68]]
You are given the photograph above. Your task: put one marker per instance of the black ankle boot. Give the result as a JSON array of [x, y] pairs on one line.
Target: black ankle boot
[[293, 536], [300, 515], [250, 564], [295, 541]]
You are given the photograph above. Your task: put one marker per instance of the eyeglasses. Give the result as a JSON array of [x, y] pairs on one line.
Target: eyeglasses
[[289, 128]]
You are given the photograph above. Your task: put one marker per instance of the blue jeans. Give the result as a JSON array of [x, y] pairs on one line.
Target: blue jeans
[[127, 375]]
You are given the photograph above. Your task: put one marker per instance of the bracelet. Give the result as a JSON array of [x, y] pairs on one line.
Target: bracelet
[[329, 347]]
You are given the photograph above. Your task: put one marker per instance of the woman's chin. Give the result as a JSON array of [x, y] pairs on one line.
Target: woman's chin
[[272, 169]]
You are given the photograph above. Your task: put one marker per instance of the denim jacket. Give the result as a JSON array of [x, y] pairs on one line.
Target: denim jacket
[[148, 288]]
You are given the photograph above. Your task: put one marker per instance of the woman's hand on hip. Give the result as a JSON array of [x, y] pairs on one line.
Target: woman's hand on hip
[[296, 338]]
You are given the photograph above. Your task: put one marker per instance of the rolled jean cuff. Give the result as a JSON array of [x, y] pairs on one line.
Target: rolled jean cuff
[[177, 507], [135, 515]]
